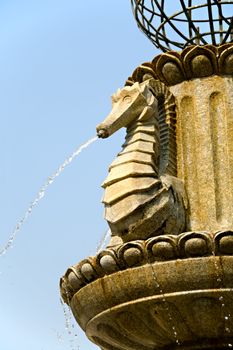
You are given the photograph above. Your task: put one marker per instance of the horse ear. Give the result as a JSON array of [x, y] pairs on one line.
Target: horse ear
[[146, 113], [144, 88], [114, 98], [136, 86], [133, 88]]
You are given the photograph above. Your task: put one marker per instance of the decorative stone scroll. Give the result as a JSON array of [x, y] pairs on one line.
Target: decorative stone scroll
[[193, 62]]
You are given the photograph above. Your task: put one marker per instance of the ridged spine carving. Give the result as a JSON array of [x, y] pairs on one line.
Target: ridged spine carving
[[167, 128]]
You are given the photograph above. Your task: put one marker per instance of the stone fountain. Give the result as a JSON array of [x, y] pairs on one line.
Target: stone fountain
[[166, 279]]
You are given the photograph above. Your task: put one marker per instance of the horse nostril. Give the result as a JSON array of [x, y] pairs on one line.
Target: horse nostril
[[102, 133]]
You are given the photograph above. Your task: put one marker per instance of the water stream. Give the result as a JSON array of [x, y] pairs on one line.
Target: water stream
[[68, 316], [70, 326], [171, 321], [41, 194], [103, 241], [225, 313]]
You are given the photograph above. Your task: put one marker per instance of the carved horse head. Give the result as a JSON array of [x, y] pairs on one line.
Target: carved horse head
[[130, 103]]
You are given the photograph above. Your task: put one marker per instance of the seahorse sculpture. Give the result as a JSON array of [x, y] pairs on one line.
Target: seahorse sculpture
[[143, 197]]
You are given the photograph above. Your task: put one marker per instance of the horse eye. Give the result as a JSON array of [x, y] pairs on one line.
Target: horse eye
[[127, 99]]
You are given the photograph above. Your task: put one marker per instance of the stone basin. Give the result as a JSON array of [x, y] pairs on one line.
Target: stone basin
[[182, 303]]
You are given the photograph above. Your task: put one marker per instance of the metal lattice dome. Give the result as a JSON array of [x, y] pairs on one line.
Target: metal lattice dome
[[172, 24]]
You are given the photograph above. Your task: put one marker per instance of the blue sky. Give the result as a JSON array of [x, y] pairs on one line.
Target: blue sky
[[60, 62]]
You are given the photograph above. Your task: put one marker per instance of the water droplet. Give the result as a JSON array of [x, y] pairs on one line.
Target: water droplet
[[230, 345], [166, 304], [41, 194], [50, 180], [59, 337], [220, 298]]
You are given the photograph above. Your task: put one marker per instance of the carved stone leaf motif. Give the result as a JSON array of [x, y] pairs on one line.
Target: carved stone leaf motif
[[193, 62]]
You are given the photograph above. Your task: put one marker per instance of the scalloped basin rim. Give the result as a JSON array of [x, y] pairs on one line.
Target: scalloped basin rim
[[156, 306], [179, 276]]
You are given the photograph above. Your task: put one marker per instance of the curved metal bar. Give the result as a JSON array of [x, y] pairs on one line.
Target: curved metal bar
[[191, 22], [190, 16], [228, 33], [170, 23], [209, 6], [222, 18], [148, 12], [142, 27], [163, 30]]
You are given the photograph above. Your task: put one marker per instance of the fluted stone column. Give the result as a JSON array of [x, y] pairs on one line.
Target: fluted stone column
[[205, 150]]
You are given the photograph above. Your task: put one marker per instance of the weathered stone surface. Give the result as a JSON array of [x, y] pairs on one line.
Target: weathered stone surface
[[128, 186], [124, 207], [160, 305], [137, 253], [139, 136], [205, 150], [142, 127], [147, 147], [124, 171], [138, 157]]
